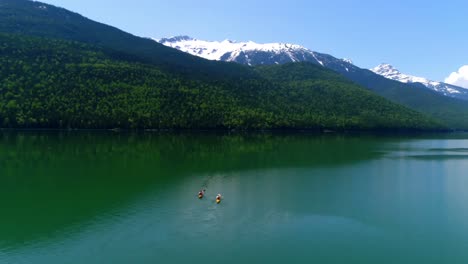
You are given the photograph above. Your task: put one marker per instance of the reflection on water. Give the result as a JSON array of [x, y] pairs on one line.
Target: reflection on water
[[449, 149], [97, 197], [438, 156], [64, 179]]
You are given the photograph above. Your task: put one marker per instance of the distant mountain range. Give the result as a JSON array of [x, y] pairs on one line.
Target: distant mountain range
[[59, 69], [252, 53], [390, 72], [454, 111], [249, 53]]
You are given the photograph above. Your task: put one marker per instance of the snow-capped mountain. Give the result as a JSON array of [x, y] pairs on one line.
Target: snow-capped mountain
[[228, 50], [390, 72], [252, 53]]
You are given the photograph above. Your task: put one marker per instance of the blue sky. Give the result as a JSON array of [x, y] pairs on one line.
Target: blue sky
[[422, 38]]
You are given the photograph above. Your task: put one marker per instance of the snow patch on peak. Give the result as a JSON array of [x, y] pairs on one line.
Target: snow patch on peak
[[385, 69], [315, 57], [347, 60], [390, 72], [228, 49]]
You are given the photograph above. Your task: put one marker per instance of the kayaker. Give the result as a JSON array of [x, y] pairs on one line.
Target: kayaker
[[201, 193], [218, 197]]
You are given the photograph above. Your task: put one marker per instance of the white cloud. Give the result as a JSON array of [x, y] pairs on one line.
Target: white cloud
[[459, 78]]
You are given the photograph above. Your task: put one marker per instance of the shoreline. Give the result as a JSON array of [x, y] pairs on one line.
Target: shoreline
[[245, 131]]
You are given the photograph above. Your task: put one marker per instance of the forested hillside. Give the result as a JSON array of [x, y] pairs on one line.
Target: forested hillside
[[26, 17], [332, 97], [54, 83], [63, 84], [451, 111]]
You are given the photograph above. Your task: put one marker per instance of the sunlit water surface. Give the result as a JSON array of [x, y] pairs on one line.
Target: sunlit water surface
[[98, 197]]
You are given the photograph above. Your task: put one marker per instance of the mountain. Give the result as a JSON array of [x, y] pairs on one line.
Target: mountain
[[38, 19], [251, 53], [390, 72], [54, 83], [59, 69], [451, 111], [325, 96]]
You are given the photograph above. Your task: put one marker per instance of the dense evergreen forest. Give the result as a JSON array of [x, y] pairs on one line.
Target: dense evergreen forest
[[333, 97], [26, 17], [451, 111], [54, 83], [59, 69]]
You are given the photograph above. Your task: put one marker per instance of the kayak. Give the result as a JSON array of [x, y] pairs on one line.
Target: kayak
[[218, 200], [200, 196]]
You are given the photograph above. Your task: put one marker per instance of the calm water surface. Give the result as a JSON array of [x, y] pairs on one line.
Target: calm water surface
[[85, 197]]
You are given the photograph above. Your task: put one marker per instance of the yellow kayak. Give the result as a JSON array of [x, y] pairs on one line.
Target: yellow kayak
[[218, 200], [200, 196]]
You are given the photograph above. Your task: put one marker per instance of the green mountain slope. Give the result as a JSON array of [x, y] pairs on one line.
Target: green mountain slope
[[453, 112], [56, 83], [323, 93], [43, 20], [59, 69]]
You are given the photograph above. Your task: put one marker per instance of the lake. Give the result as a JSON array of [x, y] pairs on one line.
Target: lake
[[105, 197]]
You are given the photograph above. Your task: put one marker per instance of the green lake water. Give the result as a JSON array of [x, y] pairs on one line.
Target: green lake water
[[102, 197]]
